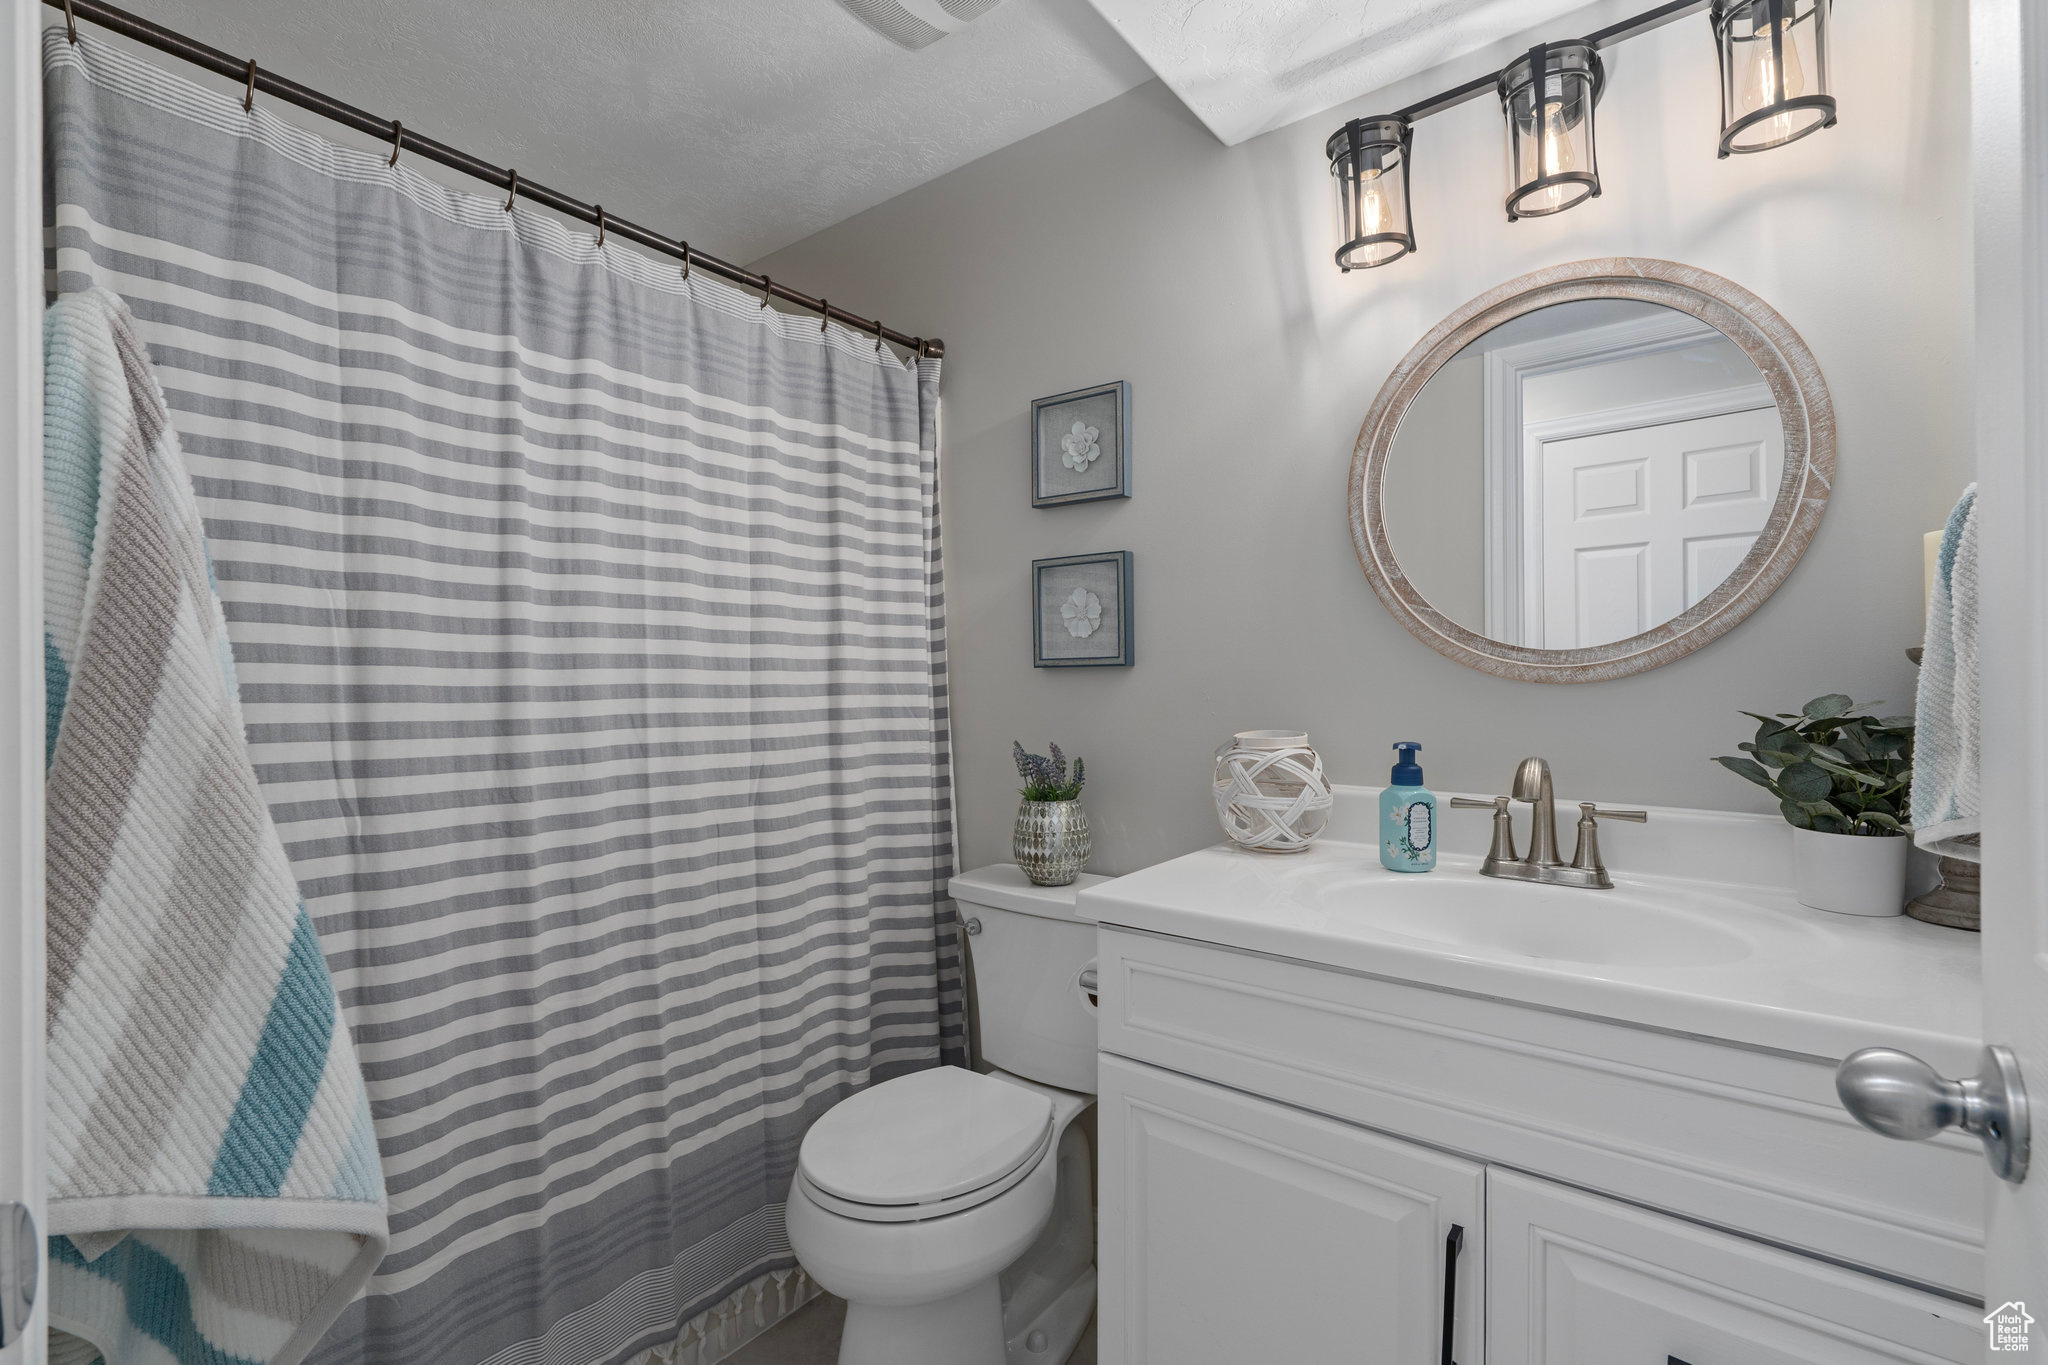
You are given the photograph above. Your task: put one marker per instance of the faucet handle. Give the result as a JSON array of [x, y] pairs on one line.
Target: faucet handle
[[1503, 850], [1586, 858]]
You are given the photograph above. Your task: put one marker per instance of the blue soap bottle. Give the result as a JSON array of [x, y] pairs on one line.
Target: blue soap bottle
[[1407, 815]]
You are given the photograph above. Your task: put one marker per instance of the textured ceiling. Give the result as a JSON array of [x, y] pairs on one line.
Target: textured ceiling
[[743, 125], [1246, 67]]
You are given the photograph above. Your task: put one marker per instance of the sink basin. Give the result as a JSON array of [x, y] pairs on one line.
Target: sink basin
[[1463, 910]]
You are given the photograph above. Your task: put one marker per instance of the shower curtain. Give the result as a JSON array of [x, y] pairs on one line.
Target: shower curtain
[[591, 643]]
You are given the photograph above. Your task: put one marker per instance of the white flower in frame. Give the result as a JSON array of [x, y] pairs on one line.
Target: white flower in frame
[[1080, 447], [1082, 612]]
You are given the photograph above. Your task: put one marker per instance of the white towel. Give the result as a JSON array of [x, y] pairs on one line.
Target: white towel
[[1945, 800]]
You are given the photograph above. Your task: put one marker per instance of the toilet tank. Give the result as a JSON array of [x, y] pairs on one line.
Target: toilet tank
[[1037, 1020]]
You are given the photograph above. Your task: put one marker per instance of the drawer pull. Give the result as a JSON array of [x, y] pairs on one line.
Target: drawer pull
[[1454, 1242]]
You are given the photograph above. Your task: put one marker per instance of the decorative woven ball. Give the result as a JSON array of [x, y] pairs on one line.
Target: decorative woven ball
[[1271, 794]]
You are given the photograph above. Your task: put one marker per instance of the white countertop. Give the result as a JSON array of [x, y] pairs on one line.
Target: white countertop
[[1732, 960]]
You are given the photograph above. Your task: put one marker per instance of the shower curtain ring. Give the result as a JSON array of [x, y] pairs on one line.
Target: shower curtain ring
[[397, 141], [917, 348], [878, 336], [511, 191], [767, 288], [70, 24], [686, 259], [249, 94], [825, 323], [600, 227]]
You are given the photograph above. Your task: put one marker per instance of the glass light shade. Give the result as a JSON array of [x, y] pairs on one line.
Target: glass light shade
[[1369, 163], [1547, 97], [1775, 86]]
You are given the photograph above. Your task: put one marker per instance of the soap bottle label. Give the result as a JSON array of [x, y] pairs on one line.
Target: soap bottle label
[[1419, 831], [1410, 841]]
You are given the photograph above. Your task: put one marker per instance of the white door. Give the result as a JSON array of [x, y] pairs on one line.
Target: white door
[[2009, 112], [1640, 524], [21, 673], [1574, 1279], [1235, 1229]]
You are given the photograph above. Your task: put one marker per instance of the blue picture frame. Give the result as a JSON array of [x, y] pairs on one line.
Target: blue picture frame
[[1074, 591], [1104, 410]]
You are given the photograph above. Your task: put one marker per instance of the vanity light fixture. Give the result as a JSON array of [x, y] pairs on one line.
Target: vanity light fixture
[[1547, 97], [1774, 82], [1774, 72], [1369, 162]]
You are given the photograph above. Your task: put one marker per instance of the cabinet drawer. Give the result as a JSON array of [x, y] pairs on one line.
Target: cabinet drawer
[[1574, 1279], [1235, 1229], [1736, 1137]]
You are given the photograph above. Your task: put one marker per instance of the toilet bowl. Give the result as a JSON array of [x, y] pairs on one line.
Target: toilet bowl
[[954, 1210]]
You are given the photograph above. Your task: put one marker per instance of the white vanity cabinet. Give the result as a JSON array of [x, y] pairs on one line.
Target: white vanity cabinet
[[1246, 1231], [1575, 1279], [1285, 1148]]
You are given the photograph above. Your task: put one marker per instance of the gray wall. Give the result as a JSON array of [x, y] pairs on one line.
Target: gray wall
[[1127, 243], [1435, 490]]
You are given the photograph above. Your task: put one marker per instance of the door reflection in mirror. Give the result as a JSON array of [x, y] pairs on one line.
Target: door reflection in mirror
[[1583, 473]]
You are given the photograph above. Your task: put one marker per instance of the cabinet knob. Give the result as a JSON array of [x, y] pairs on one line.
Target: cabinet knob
[[1900, 1096]]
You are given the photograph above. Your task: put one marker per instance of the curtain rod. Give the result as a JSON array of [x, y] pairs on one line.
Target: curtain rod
[[326, 106], [1657, 17]]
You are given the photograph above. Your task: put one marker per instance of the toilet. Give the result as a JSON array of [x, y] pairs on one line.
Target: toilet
[[954, 1210]]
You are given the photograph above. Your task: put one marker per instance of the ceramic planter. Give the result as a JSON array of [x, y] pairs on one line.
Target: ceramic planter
[[1051, 842], [1851, 874]]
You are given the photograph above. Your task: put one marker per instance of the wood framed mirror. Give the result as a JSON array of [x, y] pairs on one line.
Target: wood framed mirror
[[1592, 470]]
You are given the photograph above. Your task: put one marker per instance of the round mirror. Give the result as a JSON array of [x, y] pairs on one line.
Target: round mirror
[[1592, 470]]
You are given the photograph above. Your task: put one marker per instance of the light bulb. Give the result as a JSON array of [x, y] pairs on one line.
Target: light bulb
[[1553, 148], [1374, 213], [1760, 80]]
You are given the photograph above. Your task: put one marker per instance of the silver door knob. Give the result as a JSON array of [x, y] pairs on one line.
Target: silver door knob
[[1897, 1094], [20, 1259]]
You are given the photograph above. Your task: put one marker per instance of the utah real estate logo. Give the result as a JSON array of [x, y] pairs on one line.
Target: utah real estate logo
[[2007, 1326]]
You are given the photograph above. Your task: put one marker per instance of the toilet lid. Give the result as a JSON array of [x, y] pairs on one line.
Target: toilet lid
[[924, 1137]]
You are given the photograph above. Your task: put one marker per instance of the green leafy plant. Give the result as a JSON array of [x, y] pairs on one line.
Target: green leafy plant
[[1045, 779], [1833, 767]]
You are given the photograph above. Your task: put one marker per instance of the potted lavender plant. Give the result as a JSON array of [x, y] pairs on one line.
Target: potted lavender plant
[[1051, 841]]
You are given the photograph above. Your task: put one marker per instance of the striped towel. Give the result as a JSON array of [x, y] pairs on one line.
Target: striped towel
[[1945, 813], [212, 1170]]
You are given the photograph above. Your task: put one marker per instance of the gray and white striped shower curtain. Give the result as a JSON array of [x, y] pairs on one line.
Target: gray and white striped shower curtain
[[591, 642]]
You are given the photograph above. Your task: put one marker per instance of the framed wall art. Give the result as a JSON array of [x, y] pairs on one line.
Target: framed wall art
[[1081, 446], [1081, 611]]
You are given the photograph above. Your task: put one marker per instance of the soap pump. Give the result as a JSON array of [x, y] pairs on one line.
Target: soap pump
[[1407, 815]]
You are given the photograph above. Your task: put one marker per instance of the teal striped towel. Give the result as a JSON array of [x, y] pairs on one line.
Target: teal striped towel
[[215, 1193], [1945, 810]]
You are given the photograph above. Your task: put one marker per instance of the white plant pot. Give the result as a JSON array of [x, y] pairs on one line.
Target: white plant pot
[[1851, 874]]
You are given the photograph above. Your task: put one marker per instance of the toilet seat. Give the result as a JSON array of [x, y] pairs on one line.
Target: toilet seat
[[925, 1145]]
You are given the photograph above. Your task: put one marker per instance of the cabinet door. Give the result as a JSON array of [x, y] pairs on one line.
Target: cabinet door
[[1237, 1230], [1574, 1279]]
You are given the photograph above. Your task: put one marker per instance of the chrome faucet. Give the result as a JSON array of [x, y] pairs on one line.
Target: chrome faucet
[[1532, 784]]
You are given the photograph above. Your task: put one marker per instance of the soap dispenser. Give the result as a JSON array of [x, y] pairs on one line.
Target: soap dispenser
[[1407, 815]]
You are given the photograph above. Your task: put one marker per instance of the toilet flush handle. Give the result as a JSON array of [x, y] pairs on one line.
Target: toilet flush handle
[[973, 925]]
